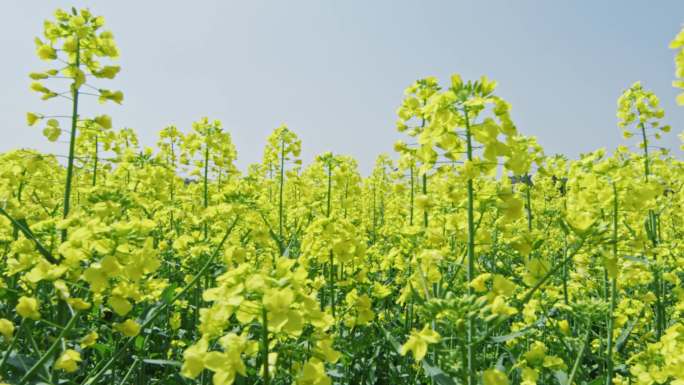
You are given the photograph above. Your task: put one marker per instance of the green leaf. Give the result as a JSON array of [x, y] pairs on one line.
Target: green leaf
[[168, 293], [139, 342], [20, 361], [622, 339], [511, 336], [25, 229], [500, 362], [395, 344], [163, 362], [436, 374], [335, 372], [102, 348], [561, 377]]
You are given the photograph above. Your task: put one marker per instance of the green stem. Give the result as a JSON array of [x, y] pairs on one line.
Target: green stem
[[529, 205], [51, 350], [332, 283], [647, 170], [659, 319], [24, 228], [471, 254], [206, 186], [613, 293], [565, 271], [652, 224], [5, 357], [72, 140], [281, 206], [331, 267], [159, 310], [425, 211], [329, 188], [565, 254], [95, 162], [573, 373], [531, 292], [264, 346], [374, 213], [129, 372], [412, 197], [15, 229], [553, 271]]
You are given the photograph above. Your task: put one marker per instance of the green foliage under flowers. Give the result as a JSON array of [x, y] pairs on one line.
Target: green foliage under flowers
[[471, 258]]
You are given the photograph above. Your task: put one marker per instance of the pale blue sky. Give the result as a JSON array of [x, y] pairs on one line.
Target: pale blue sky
[[334, 71]]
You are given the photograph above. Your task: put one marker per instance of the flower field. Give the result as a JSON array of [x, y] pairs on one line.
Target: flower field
[[469, 256]]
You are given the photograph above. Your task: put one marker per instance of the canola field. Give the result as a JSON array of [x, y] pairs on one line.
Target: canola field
[[469, 256]]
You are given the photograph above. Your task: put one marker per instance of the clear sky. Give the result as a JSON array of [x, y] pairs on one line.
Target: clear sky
[[334, 71]]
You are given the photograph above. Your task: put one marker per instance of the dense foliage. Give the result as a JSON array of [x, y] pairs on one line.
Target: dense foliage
[[473, 258]]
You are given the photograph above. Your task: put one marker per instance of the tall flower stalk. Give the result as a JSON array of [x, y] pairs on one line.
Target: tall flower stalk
[[639, 110], [76, 39]]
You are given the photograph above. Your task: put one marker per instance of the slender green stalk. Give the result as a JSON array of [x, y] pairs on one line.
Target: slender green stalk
[[329, 197], [332, 283], [22, 184], [659, 319], [129, 372], [565, 254], [425, 211], [529, 204], [206, 186], [606, 284], [374, 213], [413, 192], [470, 272], [530, 293], [15, 229], [345, 197], [264, 345], [102, 369], [382, 198], [95, 159], [72, 140], [172, 190], [565, 271], [5, 357], [22, 226], [553, 271], [647, 170], [281, 206], [613, 293], [575, 366], [198, 289], [332, 262], [51, 350], [653, 225]]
